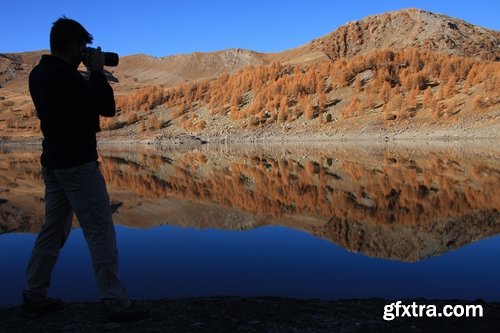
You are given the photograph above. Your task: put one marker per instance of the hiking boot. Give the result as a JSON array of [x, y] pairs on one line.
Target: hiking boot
[[130, 312], [37, 305]]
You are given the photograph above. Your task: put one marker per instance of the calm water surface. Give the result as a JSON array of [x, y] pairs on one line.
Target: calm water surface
[[336, 221]]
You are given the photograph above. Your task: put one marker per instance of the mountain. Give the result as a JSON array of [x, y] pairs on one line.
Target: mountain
[[15, 68], [349, 67], [410, 28], [394, 30], [168, 71]]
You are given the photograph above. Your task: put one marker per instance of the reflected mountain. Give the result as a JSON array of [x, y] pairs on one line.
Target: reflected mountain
[[395, 202]]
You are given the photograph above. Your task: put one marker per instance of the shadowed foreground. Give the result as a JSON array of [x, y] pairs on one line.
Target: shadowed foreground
[[256, 314]]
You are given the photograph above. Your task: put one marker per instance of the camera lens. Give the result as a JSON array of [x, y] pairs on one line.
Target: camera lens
[[111, 59]]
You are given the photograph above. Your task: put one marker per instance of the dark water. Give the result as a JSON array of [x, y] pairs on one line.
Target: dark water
[[336, 221]]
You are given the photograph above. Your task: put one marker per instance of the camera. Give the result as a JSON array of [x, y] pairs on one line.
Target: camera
[[111, 59]]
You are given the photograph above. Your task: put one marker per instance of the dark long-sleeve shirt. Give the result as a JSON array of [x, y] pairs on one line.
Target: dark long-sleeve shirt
[[68, 107]]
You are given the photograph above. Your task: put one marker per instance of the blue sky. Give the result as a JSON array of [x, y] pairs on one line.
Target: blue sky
[[162, 28]]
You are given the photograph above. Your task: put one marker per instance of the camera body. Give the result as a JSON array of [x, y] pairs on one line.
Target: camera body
[[111, 59]]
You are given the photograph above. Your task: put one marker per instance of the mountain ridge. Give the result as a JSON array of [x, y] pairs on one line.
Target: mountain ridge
[[197, 65], [346, 65], [415, 28]]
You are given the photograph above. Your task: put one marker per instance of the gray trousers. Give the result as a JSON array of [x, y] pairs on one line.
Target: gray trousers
[[81, 190]]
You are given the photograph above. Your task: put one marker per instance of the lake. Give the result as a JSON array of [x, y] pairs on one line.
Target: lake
[[329, 221]]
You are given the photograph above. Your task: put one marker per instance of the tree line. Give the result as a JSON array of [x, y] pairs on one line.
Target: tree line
[[399, 83]]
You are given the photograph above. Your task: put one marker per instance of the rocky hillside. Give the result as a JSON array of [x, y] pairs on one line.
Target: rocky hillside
[[14, 70], [138, 70], [394, 30], [410, 28], [409, 71]]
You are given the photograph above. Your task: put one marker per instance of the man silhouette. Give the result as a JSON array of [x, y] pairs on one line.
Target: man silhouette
[[69, 107]]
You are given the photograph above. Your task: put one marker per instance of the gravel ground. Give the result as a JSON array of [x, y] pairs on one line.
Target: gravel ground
[[255, 314]]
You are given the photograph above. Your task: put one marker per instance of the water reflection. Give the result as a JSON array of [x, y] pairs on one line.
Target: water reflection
[[394, 202]]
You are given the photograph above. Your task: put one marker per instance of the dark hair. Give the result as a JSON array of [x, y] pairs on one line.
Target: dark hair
[[66, 31]]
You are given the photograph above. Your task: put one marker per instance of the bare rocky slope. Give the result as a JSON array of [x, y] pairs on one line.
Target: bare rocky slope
[[410, 28]]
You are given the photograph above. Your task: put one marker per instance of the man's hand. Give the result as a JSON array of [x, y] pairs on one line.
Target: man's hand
[[96, 61]]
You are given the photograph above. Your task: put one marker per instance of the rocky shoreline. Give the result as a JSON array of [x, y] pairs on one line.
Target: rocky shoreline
[[254, 314], [477, 128], [266, 138]]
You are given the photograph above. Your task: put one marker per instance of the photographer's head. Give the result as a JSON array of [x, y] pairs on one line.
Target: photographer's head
[[68, 40]]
